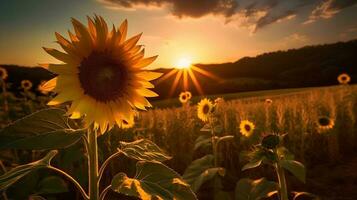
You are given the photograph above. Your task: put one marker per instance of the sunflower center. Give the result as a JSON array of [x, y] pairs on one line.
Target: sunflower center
[[102, 77], [324, 121], [184, 97], [247, 127], [205, 109]]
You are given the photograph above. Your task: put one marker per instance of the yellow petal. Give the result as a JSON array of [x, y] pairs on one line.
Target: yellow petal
[[147, 93], [130, 43], [50, 85], [59, 55], [148, 75], [123, 29], [61, 68], [145, 62]]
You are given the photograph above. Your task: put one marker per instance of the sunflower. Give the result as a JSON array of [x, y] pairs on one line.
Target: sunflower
[[325, 123], [219, 100], [102, 74], [26, 84], [344, 79], [246, 128], [188, 94], [204, 109], [3, 73], [268, 101], [183, 97]]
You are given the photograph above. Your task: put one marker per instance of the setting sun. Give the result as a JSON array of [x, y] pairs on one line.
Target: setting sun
[[183, 63]]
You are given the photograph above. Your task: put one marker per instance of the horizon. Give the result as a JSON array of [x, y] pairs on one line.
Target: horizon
[[229, 30]]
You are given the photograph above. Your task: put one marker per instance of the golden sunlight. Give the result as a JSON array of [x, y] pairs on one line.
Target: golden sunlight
[[183, 63]]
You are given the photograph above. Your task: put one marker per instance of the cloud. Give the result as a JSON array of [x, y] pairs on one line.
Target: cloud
[[329, 8], [254, 14]]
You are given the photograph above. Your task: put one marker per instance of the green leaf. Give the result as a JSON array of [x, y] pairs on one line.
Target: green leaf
[[248, 189], [252, 164], [153, 180], [10, 177], [202, 141], [197, 167], [296, 168], [52, 185], [143, 150], [42, 130], [206, 175]]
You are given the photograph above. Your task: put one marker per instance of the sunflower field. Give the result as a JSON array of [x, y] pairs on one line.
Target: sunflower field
[[92, 134]]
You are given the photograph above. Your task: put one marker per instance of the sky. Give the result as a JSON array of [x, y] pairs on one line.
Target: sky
[[202, 31]]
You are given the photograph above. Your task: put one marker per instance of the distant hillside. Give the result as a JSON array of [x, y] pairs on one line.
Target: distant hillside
[[305, 67]]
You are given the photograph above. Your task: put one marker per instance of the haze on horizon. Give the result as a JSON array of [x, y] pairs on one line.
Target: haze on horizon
[[208, 31]]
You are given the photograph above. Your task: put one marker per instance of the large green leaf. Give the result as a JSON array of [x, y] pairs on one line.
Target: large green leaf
[[143, 150], [206, 175], [197, 167], [248, 189], [153, 180], [18, 172], [296, 168], [252, 164], [42, 130]]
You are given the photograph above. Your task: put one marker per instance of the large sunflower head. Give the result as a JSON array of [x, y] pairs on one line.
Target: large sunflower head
[[344, 79], [325, 123], [204, 109], [246, 128], [3, 73], [183, 97], [102, 74], [26, 85]]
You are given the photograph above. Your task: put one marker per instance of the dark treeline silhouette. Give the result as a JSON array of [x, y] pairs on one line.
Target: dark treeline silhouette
[[305, 67]]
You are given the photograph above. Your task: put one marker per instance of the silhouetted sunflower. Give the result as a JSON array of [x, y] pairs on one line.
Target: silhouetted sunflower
[[183, 97], [3, 73], [26, 84], [344, 79], [325, 123], [204, 109], [102, 74], [246, 128]]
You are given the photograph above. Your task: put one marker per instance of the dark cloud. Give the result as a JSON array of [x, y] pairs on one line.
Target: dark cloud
[[256, 14]]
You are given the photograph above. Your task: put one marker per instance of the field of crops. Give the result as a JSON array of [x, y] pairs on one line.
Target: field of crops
[[296, 116]]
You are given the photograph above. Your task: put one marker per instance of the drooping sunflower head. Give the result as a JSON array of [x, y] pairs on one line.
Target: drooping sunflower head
[[183, 97], [3, 73], [102, 74], [204, 109], [26, 85], [344, 79], [188, 94], [325, 123], [246, 128]]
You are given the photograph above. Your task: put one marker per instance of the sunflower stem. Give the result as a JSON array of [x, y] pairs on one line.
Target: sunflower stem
[[93, 165], [283, 190]]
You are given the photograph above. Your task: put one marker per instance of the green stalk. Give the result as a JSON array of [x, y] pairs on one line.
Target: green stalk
[[283, 190], [93, 165]]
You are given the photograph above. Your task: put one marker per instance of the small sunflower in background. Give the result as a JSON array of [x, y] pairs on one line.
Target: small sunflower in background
[[325, 123], [246, 128], [344, 79], [102, 74], [218, 100], [3, 73], [188, 94], [204, 109], [26, 85], [183, 97], [268, 101]]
